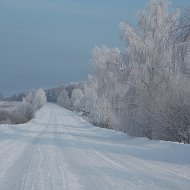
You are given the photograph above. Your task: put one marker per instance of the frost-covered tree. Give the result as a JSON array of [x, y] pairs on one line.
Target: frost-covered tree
[[98, 91], [34, 100], [151, 59], [159, 51], [76, 98], [64, 100], [177, 105], [40, 98], [145, 91]]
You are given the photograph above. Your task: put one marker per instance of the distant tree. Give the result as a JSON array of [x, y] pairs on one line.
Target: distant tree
[[34, 100], [40, 98], [98, 92], [63, 99], [76, 98]]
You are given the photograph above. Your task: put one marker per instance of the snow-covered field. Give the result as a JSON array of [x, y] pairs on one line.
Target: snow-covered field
[[9, 106], [60, 151]]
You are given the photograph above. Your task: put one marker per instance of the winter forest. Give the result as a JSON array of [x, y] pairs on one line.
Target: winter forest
[[144, 91]]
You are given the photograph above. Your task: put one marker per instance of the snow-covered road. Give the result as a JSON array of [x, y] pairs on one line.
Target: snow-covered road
[[59, 151]]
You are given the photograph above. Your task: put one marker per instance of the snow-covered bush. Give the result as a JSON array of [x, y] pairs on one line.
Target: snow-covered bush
[[20, 114]]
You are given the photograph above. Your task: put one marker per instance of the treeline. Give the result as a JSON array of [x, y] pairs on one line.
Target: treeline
[[144, 91], [53, 93]]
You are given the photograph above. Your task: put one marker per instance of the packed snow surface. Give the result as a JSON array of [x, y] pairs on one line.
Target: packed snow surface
[[59, 151]]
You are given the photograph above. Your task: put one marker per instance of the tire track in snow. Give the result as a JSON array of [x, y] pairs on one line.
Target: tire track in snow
[[18, 161], [92, 156], [133, 178], [70, 180], [102, 159], [32, 178], [10, 150]]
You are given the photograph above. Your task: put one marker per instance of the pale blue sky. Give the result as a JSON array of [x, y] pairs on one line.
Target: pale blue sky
[[45, 43]]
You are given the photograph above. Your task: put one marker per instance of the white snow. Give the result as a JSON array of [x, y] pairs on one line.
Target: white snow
[[9, 106], [58, 150]]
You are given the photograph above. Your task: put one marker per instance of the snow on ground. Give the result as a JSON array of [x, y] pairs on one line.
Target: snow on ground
[[60, 151], [9, 106]]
